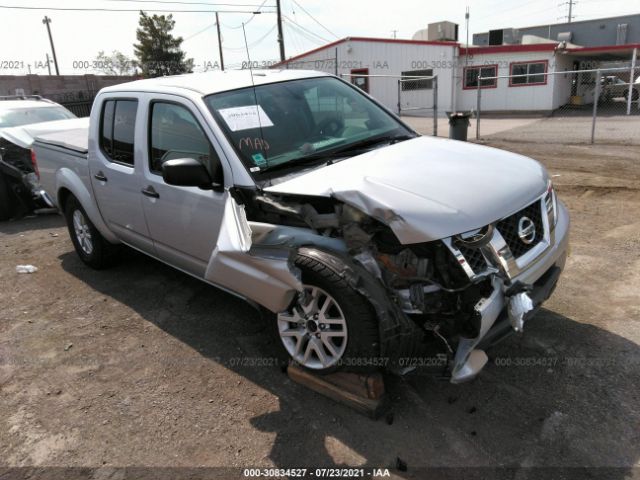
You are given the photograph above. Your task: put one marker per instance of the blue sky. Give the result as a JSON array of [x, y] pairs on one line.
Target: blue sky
[[79, 36]]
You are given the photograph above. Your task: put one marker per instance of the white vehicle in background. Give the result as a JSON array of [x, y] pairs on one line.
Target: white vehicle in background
[[613, 86], [370, 245], [22, 117]]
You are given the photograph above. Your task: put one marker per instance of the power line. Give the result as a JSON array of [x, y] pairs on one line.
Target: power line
[[304, 34], [252, 44], [250, 18], [306, 30], [70, 9], [180, 2], [314, 18], [505, 10], [199, 32]]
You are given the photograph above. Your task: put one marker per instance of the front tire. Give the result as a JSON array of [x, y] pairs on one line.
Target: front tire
[[89, 244], [330, 326]]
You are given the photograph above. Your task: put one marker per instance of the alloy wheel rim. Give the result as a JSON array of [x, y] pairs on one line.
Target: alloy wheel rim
[[314, 329], [83, 233]]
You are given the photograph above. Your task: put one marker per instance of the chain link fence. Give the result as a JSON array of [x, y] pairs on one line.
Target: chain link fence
[[589, 106]]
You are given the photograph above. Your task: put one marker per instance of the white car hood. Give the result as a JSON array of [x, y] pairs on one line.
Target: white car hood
[[428, 188], [24, 135]]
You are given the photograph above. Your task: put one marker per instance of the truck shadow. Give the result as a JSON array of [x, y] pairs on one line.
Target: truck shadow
[[32, 222], [563, 395]]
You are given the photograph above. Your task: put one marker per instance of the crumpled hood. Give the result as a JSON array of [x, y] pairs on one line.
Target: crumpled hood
[[24, 135], [428, 188]]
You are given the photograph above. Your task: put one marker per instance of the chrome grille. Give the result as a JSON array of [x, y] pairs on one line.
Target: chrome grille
[[508, 228]]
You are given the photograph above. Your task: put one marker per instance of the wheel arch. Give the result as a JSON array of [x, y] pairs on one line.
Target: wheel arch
[[399, 335], [69, 184]]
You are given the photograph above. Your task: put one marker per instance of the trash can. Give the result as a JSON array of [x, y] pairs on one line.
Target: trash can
[[458, 125]]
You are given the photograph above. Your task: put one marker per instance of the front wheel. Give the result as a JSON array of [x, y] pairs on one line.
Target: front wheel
[[329, 326], [89, 244]]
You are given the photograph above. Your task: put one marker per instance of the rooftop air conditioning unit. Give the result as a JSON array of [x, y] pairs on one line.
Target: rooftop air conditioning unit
[[442, 31], [565, 37]]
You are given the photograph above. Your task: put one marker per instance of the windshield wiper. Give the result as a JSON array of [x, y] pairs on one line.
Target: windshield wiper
[[305, 160], [371, 142], [341, 152]]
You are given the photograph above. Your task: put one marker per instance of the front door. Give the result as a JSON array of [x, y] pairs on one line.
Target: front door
[[183, 221], [115, 174]]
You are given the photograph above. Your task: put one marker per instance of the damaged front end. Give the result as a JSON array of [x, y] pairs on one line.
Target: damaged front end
[[452, 295]]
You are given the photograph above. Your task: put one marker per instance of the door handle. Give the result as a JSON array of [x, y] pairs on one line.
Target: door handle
[[100, 176], [150, 192]]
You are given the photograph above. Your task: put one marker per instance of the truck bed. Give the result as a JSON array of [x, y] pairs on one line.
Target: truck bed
[[62, 150], [76, 139]]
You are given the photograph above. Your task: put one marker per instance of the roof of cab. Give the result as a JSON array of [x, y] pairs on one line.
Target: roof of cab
[[213, 82]]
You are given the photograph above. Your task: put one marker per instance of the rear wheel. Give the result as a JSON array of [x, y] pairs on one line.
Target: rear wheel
[[89, 244], [7, 203], [329, 326]]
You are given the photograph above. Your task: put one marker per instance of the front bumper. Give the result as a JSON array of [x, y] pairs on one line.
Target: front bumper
[[541, 273]]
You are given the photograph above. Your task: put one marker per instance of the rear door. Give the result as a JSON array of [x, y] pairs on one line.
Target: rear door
[[184, 222], [115, 168]]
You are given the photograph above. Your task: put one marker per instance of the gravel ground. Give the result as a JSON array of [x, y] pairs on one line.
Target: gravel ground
[[143, 366]]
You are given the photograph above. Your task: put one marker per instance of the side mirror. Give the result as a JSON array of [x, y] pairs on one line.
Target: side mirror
[[188, 172]]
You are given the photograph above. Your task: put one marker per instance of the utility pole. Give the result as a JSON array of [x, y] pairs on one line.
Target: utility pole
[[570, 10], [395, 33], [46, 20], [570, 14], [280, 34], [466, 56], [219, 42], [48, 63]]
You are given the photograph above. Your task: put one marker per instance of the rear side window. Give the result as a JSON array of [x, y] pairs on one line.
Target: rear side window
[[117, 129]]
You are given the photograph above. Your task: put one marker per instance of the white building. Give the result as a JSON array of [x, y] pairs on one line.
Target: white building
[[457, 69]]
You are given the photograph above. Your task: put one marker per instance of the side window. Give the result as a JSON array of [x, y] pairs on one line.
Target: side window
[[117, 130], [106, 127], [175, 133]]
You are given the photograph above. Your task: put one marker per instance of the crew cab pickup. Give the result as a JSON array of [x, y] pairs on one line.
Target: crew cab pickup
[[371, 246]]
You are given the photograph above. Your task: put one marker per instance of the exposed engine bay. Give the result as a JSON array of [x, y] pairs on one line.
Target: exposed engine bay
[[446, 292]]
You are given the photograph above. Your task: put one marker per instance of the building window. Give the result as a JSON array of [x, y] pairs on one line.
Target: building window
[[360, 82], [418, 84], [532, 73], [471, 75]]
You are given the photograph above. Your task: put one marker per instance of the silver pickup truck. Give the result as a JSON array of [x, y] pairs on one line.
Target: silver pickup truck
[[370, 245]]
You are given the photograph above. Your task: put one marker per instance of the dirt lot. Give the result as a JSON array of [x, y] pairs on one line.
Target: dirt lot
[[144, 366]]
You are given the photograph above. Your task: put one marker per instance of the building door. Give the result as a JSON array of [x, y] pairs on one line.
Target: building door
[[360, 82]]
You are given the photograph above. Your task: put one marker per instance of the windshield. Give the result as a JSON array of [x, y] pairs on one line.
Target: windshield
[[26, 116], [298, 121]]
